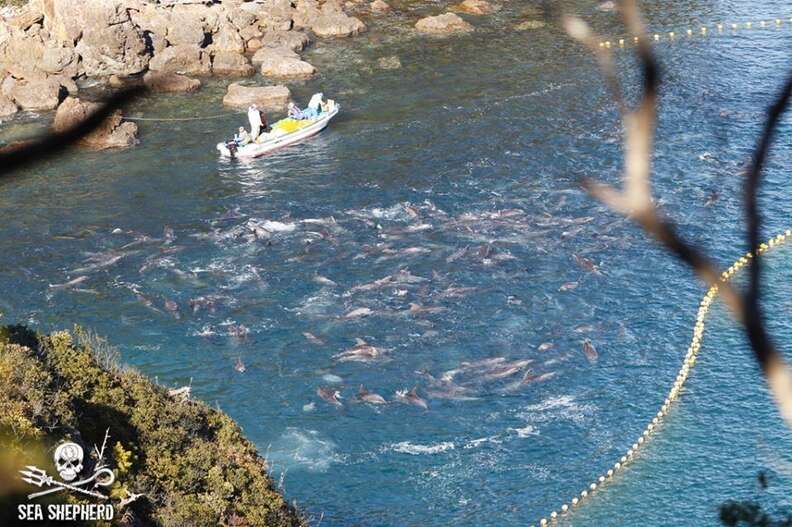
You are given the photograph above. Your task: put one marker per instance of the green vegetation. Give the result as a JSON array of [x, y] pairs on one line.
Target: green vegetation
[[189, 462]]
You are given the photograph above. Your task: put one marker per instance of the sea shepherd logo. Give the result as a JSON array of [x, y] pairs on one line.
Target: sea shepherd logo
[[70, 464]]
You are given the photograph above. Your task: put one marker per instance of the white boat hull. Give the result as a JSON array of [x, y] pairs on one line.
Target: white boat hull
[[253, 150]]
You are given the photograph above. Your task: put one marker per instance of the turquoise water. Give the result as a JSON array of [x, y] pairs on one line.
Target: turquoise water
[[457, 176]]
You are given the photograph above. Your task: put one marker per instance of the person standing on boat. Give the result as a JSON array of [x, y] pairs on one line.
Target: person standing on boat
[[255, 122]]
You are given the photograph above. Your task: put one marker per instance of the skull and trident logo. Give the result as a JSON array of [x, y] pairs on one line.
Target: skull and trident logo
[[69, 462]]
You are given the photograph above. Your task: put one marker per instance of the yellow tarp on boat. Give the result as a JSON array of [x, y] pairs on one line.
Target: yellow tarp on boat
[[290, 125]]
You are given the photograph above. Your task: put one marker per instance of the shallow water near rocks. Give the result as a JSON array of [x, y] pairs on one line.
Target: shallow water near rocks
[[458, 176]]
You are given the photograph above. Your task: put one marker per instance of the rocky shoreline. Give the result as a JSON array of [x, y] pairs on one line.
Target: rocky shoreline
[[50, 48]]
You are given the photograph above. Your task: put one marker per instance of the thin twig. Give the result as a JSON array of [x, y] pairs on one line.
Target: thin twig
[[635, 201]]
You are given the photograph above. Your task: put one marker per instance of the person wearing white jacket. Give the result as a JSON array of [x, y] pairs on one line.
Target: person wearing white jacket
[[255, 122]]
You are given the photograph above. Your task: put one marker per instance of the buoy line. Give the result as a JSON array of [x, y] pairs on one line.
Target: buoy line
[[673, 394], [701, 30]]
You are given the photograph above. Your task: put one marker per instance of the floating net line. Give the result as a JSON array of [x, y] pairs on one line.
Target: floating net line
[[673, 394], [701, 30]]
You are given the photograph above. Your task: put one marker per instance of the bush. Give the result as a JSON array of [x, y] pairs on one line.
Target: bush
[[191, 462]]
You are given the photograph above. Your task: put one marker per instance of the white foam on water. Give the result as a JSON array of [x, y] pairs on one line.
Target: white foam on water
[[559, 408], [405, 447], [526, 431], [304, 449]]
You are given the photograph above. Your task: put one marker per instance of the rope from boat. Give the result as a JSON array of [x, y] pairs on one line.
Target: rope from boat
[[673, 394], [204, 118]]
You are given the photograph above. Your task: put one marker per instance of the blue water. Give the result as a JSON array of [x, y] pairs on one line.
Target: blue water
[[478, 142]]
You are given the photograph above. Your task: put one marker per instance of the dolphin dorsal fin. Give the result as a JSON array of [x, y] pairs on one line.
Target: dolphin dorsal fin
[[362, 391], [360, 342], [413, 392]]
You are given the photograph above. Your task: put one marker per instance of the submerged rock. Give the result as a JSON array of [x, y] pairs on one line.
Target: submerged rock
[[476, 7], [170, 82], [389, 63], [445, 24], [530, 24], [113, 133], [379, 6], [267, 97]]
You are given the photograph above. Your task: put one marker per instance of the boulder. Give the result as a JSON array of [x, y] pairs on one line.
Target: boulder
[[284, 63], [37, 94], [112, 133], [57, 59], [24, 18], [444, 24], [106, 39], [253, 44], [7, 106], [306, 13], [275, 15], [232, 64], [20, 53], [228, 39], [187, 26], [379, 6], [266, 97], [294, 40], [337, 24], [170, 82], [476, 7], [186, 59]]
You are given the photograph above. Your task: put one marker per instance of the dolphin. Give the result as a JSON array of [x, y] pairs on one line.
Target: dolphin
[[329, 395], [360, 352], [590, 351], [70, 283], [240, 366], [313, 339], [411, 397], [369, 397]]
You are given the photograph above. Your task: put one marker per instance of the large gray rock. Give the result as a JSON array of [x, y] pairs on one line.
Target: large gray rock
[[105, 37], [294, 40], [112, 133], [37, 94], [62, 60], [275, 15], [444, 24], [283, 63], [337, 24], [228, 39], [187, 27], [267, 97], [170, 82], [231, 64], [189, 60], [7, 106], [20, 53]]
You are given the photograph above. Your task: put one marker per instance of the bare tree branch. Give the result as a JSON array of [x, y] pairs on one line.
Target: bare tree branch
[[54, 143], [635, 201]]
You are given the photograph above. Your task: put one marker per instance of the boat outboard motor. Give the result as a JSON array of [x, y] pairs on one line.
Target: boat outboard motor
[[232, 147]]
